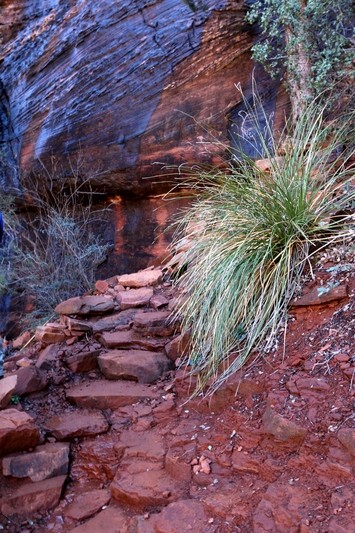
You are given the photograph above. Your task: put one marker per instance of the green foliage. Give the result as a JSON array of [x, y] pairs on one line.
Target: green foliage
[[295, 31], [252, 234], [52, 250]]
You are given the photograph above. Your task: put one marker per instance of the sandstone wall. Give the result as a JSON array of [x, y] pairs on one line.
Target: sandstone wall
[[120, 86]]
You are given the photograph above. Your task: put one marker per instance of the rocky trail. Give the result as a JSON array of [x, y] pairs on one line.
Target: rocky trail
[[97, 435]]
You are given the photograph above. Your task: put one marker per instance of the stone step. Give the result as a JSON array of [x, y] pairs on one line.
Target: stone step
[[111, 520], [130, 339], [153, 323], [46, 461], [33, 497], [137, 365], [105, 394], [77, 424], [18, 431], [144, 484]]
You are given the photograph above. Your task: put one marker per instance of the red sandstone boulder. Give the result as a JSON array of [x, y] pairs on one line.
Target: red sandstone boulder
[[18, 431], [46, 461]]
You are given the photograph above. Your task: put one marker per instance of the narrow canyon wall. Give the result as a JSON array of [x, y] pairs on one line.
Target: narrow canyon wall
[[121, 86]]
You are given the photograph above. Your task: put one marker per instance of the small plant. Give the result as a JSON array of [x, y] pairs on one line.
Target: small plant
[[252, 235], [52, 249], [15, 399], [308, 43]]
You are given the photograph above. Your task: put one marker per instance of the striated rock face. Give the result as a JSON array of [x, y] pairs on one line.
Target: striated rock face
[[120, 84], [113, 88]]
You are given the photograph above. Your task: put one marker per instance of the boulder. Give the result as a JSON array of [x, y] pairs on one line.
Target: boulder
[[137, 365], [33, 497], [7, 389], [103, 394], [18, 431], [46, 461], [67, 426]]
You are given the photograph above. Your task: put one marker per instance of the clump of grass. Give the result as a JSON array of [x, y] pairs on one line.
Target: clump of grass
[[252, 235]]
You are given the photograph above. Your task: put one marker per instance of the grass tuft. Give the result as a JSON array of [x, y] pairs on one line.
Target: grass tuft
[[252, 234]]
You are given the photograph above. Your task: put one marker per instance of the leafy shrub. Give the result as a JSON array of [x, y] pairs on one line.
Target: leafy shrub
[[252, 235], [52, 251]]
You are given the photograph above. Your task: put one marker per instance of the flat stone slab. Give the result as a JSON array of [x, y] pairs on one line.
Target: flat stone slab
[[107, 323], [104, 394], [111, 520], [18, 431], [86, 305], [33, 497], [7, 388], [135, 297], [130, 339], [144, 485], [153, 323], [141, 279], [321, 295], [46, 461], [137, 365], [79, 424], [87, 504]]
